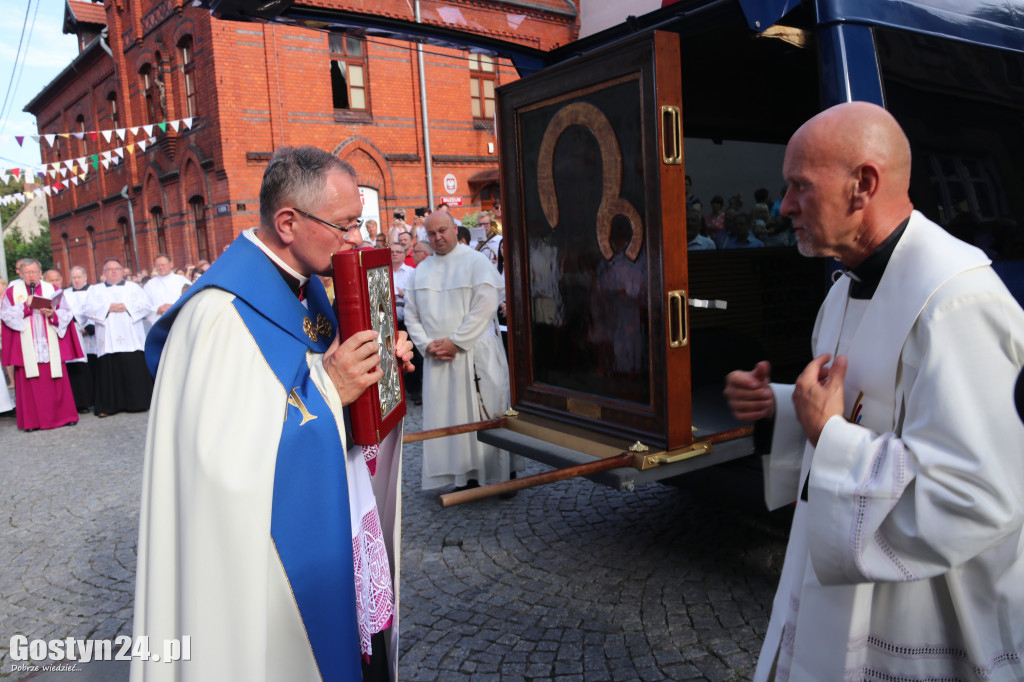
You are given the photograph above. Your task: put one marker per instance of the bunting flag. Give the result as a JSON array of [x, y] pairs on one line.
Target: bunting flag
[[77, 169]]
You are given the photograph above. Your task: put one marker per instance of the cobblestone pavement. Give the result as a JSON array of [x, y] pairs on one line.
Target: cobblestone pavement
[[569, 581]]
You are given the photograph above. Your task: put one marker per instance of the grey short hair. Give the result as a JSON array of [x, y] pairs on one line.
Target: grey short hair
[[30, 261], [297, 175], [78, 267]]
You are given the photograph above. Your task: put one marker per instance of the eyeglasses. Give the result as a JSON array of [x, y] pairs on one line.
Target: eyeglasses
[[354, 226]]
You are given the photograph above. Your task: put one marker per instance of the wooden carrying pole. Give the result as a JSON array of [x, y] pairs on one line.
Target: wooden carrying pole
[[623, 460], [453, 430]]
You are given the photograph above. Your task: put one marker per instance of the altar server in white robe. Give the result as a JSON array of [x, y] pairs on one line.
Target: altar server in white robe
[[904, 455], [451, 304], [118, 309], [163, 288], [81, 371], [262, 537]]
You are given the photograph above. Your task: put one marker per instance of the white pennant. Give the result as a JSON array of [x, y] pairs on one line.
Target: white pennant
[[69, 163], [50, 138], [78, 136], [47, 189], [174, 125], [3, 178], [35, 137], [134, 131], [142, 144], [106, 134], [74, 180], [105, 155], [148, 129], [120, 133], [63, 172], [105, 163], [52, 173], [187, 122]]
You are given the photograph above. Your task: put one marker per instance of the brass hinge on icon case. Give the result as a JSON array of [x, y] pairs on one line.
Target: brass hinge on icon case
[[649, 461]]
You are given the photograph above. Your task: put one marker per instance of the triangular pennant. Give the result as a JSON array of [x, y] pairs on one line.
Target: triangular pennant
[[106, 164], [106, 134], [74, 180], [120, 133], [174, 125], [19, 196], [105, 155], [47, 189], [52, 173], [37, 191], [16, 172], [187, 122], [69, 163], [64, 171], [95, 161], [162, 126], [79, 136], [93, 135], [66, 136], [131, 149], [119, 151], [35, 137], [134, 131], [4, 177], [20, 139], [50, 139], [149, 129], [142, 144]]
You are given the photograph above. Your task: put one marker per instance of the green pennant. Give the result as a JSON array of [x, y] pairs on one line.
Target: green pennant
[[95, 161], [162, 126]]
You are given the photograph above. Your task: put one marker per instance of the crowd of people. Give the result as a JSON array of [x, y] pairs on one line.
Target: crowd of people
[[731, 227]]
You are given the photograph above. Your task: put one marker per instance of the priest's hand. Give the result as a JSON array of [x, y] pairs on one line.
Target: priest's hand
[[442, 349], [403, 351], [748, 393], [818, 395], [354, 365], [117, 308], [163, 309]]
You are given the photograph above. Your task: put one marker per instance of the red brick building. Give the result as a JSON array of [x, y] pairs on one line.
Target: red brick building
[[248, 88]]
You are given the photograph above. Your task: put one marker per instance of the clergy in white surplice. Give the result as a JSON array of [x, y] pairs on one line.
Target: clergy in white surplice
[[163, 288], [904, 455], [118, 309], [81, 371], [451, 306], [262, 537], [32, 345]]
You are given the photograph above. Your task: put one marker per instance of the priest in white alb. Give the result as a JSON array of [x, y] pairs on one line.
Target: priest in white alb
[[119, 308], [451, 305], [163, 288], [899, 442], [262, 537], [32, 327], [81, 371]]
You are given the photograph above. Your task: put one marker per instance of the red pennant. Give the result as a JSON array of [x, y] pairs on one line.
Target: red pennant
[[16, 172], [94, 135]]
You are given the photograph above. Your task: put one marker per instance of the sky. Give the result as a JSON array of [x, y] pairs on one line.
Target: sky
[[49, 52]]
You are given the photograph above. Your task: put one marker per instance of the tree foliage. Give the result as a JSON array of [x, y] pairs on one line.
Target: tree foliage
[[15, 245]]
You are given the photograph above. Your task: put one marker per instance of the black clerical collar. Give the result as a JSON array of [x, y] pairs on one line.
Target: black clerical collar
[[866, 276], [119, 284], [84, 288], [291, 280]]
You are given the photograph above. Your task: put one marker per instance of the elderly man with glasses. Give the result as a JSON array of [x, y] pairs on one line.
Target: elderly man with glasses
[[263, 538]]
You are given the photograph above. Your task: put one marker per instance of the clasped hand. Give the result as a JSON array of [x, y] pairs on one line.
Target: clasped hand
[[354, 365], [818, 394], [442, 349]]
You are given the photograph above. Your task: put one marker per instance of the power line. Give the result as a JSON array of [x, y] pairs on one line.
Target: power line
[[19, 61]]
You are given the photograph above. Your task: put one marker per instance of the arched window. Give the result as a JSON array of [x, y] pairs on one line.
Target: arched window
[[188, 72], [157, 214], [198, 207], [90, 235], [80, 129], [126, 241], [148, 93], [67, 252], [112, 109]]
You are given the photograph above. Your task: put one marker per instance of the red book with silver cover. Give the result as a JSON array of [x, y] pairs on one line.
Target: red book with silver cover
[[364, 299]]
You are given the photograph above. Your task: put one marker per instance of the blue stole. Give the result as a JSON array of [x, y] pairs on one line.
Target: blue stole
[[310, 519]]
